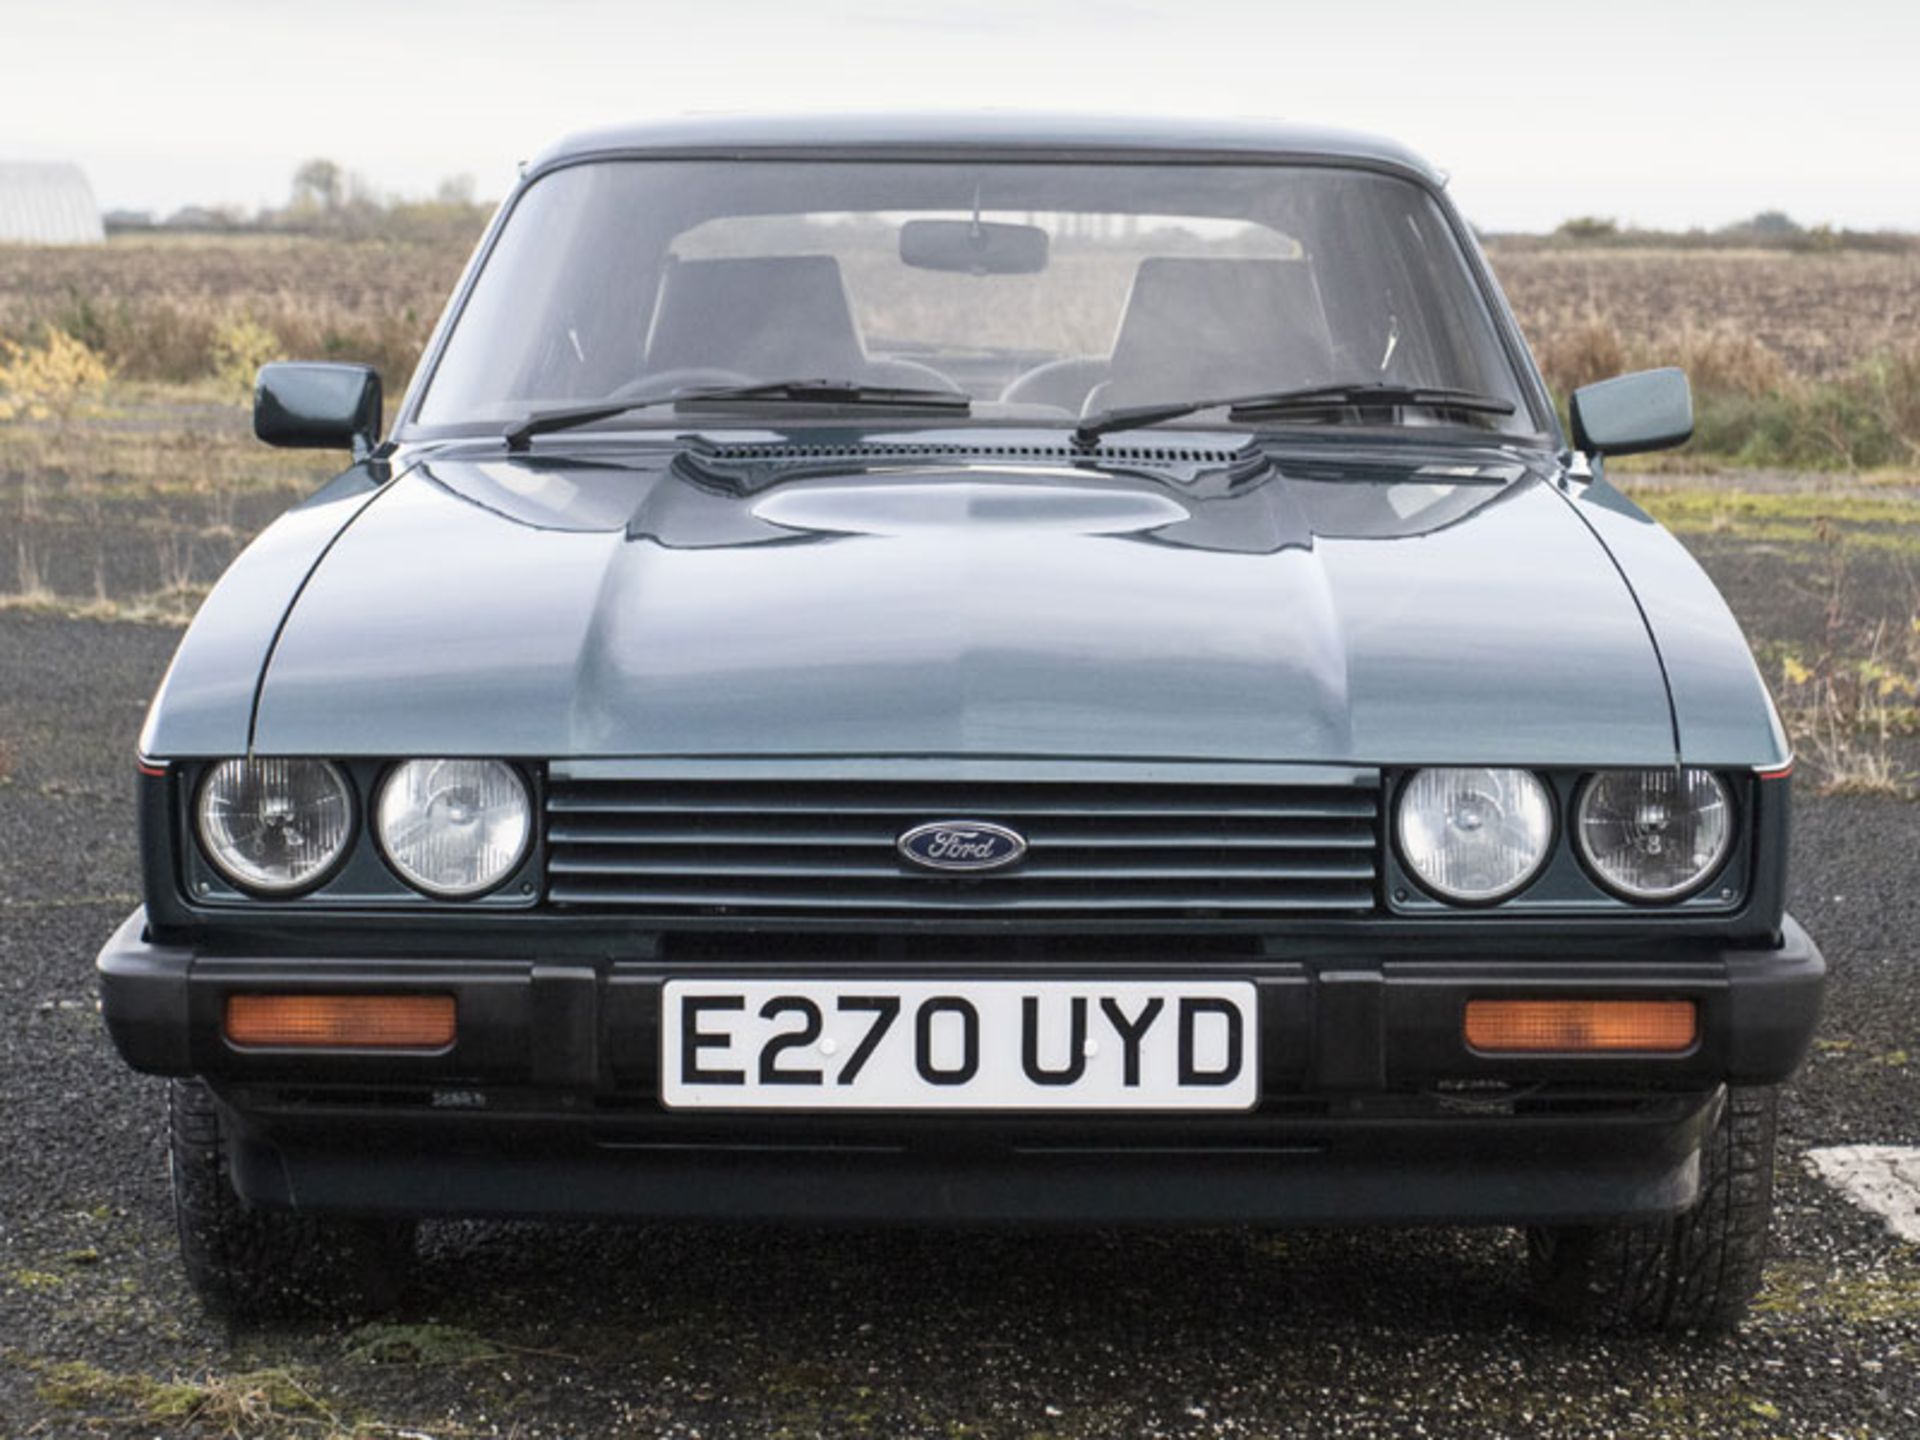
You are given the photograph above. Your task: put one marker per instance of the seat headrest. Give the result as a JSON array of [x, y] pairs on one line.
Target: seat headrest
[[773, 317], [1199, 326]]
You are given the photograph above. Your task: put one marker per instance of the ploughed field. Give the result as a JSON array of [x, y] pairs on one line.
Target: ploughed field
[[1819, 314], [111, 525]]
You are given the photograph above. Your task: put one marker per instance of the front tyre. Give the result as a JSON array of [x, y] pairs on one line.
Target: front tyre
[[245, 1262], [1696, 1271]]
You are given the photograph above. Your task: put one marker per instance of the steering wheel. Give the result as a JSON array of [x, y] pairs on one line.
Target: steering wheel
[[691, 377]]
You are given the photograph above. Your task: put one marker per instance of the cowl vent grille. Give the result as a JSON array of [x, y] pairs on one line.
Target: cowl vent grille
[[750, 465], [1151, 454]]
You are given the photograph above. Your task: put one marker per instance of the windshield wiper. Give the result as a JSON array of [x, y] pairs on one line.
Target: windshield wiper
[[804, 392], [1275, 402]]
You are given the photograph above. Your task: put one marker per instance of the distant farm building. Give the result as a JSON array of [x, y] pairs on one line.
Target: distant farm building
[[47, 205]]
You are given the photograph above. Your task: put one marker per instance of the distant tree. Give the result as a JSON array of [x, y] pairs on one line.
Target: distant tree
[[329, 199], [1772, 222], [1589, 227], [205, 217], [318, 185]]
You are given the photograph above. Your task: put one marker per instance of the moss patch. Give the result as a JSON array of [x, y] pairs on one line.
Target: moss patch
[[1882, 523], [1875, 1297], [430, 1344]]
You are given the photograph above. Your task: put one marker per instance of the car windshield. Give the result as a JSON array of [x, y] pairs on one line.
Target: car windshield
[[1037, 293]]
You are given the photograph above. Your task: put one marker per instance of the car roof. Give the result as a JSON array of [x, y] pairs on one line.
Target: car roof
[[992, 131]]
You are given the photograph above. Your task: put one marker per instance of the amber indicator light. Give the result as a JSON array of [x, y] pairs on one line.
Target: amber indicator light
[[1572, 1027], [341, 1022]]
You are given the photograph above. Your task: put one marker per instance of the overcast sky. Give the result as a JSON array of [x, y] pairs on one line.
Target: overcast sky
[[1665, 112]]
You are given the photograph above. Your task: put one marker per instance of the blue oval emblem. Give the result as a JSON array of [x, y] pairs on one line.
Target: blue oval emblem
[[961, 845]]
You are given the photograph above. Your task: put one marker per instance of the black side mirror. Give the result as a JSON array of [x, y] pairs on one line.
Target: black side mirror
[[311, 405], [1648, 410]]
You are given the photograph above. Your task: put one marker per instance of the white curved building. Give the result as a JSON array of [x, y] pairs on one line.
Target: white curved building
[[47, 205]]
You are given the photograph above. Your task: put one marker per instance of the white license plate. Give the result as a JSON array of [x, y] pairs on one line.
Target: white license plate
[[959, 1045]]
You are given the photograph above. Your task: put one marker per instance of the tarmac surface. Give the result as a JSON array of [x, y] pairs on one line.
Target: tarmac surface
[[528, 1331]]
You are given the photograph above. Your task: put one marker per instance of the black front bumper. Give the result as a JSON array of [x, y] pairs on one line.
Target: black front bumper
[[1372, 1106]]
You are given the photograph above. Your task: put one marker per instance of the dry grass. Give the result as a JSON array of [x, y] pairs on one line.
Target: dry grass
[[172, 605], [1848, 713], [137, 443], [128, 510], [1718, 361], [190, 308], [30, 587], [1849, 703], [224, 1405]]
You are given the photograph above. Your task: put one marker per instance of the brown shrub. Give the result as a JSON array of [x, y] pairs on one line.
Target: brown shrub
[[1579, 353], [1897, 377], [158, 339], [1718, 362], [165, 308]]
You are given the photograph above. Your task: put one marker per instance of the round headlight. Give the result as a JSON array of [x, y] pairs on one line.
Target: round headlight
[[275, 827], [1475, 836], [453, 828], [1654, 834]]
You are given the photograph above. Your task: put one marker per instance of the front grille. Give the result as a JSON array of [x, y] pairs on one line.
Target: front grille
[[825, 848]]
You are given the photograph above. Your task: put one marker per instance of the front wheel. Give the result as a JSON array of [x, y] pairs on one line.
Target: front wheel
[[245, 1262], [1698, 1270]]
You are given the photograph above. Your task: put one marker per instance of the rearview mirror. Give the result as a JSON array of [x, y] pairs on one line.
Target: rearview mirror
[[973, 247], [309, 405], [1648, 410]]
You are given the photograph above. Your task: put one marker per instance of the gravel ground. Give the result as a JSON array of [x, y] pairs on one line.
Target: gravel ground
[[551, 1331]]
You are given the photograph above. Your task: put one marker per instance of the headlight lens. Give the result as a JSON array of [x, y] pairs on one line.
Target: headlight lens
[[275, 827], [454, 828], [1654, 834], [1475, 835]]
